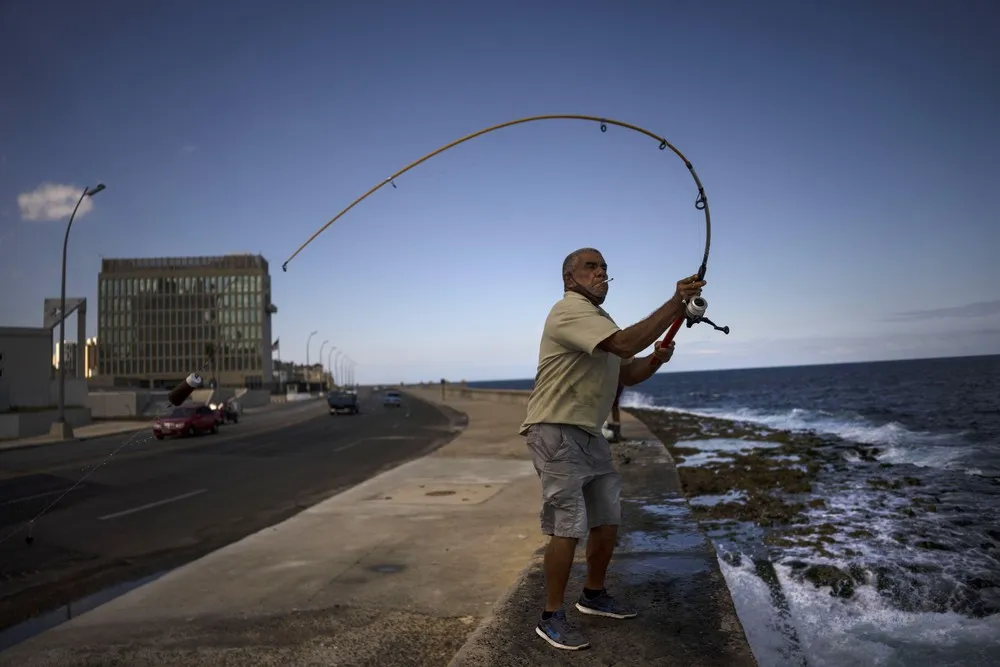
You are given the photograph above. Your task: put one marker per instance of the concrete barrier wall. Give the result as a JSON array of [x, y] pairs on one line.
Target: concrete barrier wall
[[27, 368], [201, 396], [126, 403], [110, 404], [515, 396], [28, 424], [254, 398]]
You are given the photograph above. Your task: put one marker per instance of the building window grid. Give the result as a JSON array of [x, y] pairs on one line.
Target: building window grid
[[161, 336]]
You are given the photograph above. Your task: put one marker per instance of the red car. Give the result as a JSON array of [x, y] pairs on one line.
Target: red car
[[187, 420]]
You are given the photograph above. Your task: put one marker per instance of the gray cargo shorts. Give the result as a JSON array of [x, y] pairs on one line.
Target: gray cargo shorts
[[580, 487]]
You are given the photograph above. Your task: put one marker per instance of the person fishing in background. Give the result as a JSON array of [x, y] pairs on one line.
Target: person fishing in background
[[584, 360], [613, 427]]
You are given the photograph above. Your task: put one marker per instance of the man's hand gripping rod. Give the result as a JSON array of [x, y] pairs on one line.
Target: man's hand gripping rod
[[694, 312]]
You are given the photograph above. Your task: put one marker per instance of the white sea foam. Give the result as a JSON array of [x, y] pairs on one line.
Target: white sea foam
[[820, 630], [896, 443]]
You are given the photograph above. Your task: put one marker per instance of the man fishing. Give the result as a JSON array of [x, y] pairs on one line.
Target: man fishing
[[582, 358]]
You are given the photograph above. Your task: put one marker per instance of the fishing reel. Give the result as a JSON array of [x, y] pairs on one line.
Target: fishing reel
[[694, 313]]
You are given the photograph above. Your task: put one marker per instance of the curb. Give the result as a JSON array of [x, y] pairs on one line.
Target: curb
[[502, 602], [84, 438]]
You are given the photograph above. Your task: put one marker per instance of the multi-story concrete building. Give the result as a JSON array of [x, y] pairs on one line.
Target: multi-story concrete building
[[160, 319]]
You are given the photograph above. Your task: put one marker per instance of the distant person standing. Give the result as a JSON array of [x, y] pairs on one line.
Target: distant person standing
[[613, 427], [583, 359]]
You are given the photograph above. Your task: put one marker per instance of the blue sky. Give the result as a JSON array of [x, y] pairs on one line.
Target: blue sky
[[849, 152]]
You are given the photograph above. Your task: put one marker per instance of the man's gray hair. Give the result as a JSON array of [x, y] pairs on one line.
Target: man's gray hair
[[569, 264]]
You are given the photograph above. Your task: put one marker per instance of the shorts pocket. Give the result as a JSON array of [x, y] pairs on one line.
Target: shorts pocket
[[548, 443]]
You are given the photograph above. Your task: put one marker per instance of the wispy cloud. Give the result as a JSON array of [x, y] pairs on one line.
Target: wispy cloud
[[189, 148], [978, 309], [52, 201]]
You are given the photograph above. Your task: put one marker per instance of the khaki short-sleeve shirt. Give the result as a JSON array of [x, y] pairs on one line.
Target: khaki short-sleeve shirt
[[576, 381]]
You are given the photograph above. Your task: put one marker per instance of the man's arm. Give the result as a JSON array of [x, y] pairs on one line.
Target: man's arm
[[632, 340], [640, 370]]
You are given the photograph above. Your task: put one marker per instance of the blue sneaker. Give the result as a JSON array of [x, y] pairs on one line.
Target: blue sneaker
[[604, 605], [559, 632]]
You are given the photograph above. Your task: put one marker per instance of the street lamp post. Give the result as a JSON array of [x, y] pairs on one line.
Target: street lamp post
[[311, 334], [307, 346], [339, 378], [329, 367], [350, 371], [321, 358], [60, 428]]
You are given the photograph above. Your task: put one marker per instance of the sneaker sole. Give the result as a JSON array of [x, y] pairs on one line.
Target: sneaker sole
[[606, 614], [538, 631]]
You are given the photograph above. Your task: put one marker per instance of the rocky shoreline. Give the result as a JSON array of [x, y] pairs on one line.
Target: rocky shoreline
[[831, 511]]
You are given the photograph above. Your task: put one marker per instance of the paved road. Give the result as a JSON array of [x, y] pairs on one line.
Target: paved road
[[157, 504]]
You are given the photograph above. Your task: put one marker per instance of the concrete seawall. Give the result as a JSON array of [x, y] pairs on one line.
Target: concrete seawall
[[456, 391]]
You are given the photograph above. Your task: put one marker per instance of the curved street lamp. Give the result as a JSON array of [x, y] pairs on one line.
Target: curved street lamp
[[60, 428], [350, 371], [307, 346], [321, 357]]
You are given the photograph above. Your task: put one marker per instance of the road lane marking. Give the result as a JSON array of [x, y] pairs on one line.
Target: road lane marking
[[348, 445], [147, 506]]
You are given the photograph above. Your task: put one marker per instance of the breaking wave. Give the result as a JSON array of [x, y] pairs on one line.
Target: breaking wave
[[897, 444]]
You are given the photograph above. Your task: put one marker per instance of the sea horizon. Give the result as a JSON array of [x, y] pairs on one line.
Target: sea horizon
[[778, 366]]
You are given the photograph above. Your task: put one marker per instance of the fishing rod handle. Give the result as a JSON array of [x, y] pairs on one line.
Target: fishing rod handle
[[671, 332], [180, 393]]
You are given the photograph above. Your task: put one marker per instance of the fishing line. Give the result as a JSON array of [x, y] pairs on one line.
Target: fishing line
[[694, 309]]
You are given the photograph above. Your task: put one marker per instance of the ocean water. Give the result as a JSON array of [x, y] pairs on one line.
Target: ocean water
[[925, 586]]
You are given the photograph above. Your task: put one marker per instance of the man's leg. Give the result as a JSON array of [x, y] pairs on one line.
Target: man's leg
[[600, 548], [558, 564], [603, 498], [564, 519]]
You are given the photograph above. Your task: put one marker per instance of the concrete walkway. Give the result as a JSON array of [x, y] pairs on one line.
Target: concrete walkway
[[396, 571]]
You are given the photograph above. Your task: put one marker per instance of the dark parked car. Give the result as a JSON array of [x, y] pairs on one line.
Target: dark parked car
[[186, 420]]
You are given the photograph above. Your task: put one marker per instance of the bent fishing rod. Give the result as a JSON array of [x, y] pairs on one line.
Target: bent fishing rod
[[694, 309]]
